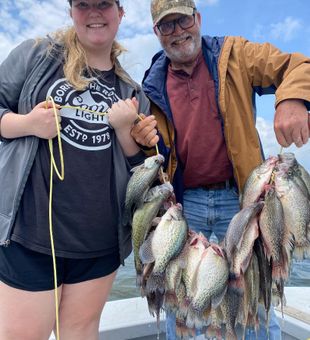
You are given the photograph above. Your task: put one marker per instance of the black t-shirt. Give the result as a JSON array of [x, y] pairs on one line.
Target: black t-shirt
[[84, 209]]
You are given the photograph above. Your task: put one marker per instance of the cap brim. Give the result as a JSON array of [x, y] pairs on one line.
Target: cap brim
[[176, 10]]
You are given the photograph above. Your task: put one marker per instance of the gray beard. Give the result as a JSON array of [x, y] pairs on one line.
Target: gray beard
[[182, 57]]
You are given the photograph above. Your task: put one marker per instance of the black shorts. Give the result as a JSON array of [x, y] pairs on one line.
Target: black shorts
[[29, 270]]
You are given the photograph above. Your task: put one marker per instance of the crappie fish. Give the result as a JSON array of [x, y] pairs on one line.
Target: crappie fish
[[275, 234], [255, 183], [210, 285], [296, 209], [163, 244], [242, 257], [139, 184], [231, 308], [143, 217], [295, 171], [196, 248], [305, 177], [251, 294], [265, 277], [293, 174], [174, 287], [237, 227]]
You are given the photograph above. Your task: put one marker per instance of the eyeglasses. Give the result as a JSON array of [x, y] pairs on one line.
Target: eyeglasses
[[185, 22], [101, 5]]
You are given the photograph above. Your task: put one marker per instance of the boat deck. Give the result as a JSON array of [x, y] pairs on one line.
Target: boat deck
[[130, 319]]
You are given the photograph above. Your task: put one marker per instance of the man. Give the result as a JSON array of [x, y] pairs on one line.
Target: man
[[202, 91]]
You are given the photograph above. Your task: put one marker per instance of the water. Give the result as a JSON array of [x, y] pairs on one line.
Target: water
[[124, 286]]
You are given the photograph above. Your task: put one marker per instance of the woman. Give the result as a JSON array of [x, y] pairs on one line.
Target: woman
[[79, 69]]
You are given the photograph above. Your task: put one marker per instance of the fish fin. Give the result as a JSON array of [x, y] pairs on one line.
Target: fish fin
[[136, 168], [231, 334], [145, 251], [139, 278], [246, 262], [156, 282], [155, 221], [183, 307], [298, 253], [127, 215], [217, 299], [217, 250], [155, 302], [307, 253], [194, 317], [171, 302], [237, 285], [182, 331], [182, 259], [280, 270], [147, 270]]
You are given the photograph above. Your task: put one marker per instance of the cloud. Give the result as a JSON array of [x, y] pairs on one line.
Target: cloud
[[272, 148], [141, 49], [285, 30], [23, 19]]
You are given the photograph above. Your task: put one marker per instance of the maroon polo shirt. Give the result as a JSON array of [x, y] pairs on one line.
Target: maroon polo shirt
[[200, 140]]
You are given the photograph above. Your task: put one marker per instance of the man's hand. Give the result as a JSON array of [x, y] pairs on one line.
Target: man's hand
[[144, 131], [292, 123]]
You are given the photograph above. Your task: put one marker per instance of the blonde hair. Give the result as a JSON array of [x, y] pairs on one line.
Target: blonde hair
[[75, 60]]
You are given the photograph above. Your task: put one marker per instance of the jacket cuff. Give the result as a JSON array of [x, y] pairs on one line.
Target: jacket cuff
[[136, 159], [2, 113]]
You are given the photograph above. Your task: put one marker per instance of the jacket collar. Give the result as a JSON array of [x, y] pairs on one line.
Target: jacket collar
[[154, 81]]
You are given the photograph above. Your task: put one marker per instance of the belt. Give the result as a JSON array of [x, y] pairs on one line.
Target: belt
[[229, 183]]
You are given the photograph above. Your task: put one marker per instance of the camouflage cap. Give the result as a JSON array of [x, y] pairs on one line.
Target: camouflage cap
[[161, 8]]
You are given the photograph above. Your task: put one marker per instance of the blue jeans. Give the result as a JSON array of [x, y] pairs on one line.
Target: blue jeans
[[299, 274], [210, 212]]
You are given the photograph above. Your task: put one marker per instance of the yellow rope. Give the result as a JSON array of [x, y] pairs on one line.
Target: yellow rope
[[80, 108], [61, 176], [157, 152]]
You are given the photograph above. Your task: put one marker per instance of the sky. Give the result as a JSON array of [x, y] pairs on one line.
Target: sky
[[284, 23]]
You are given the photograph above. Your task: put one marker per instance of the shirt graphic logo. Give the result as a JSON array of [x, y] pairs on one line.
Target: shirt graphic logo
[[80, 128]]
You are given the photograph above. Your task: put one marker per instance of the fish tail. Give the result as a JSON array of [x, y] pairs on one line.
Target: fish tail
[[195, 316], [183, 306], [231, 334], [299, 252], [156, 282], [307, 253], [127, 216], [279, 271], [171, 301], [139, 280], [155, 303], [237, 285], [213, 331], [182, 331]]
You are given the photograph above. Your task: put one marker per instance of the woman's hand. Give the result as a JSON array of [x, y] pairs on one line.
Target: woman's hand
[[42, 120], [39, 122], [123, 114]]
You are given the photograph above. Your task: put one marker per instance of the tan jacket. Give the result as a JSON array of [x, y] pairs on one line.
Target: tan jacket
[[243, 69]]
